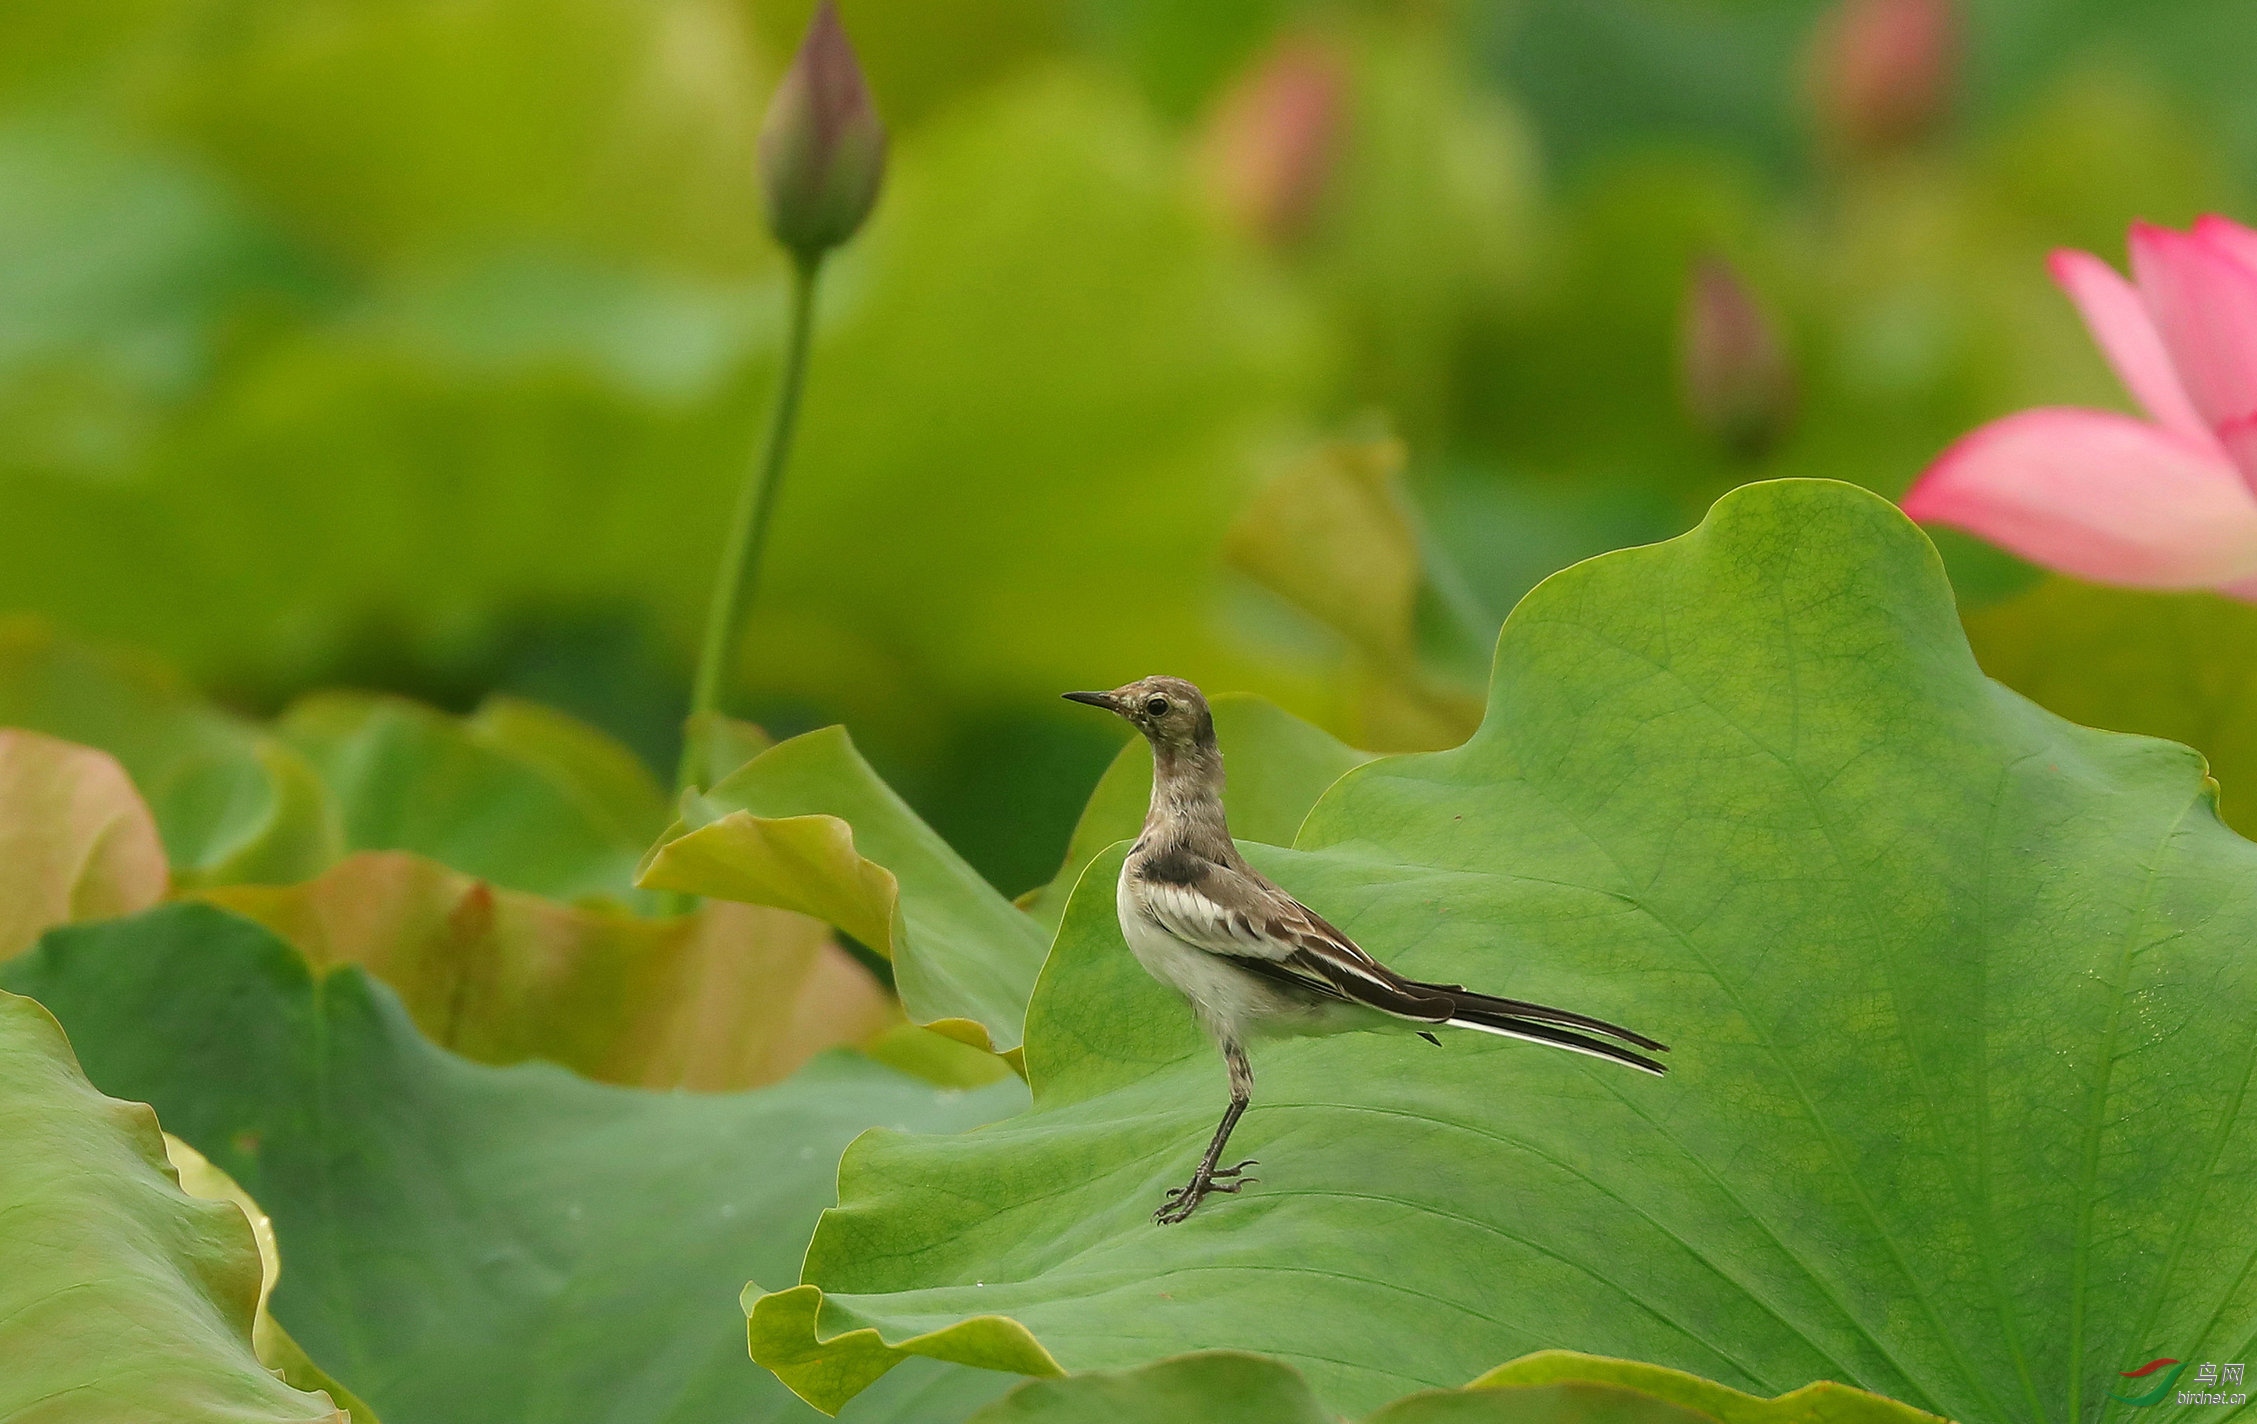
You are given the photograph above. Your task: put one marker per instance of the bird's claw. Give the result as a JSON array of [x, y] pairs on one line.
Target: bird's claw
[[1183, 1200]]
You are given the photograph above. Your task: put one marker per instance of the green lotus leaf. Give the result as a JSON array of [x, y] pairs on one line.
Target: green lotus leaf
[[1960, 994], [729, 996], [1553, 1387], [1822, 1403], [1571, 1403], [808, 826], [1279, 765], [269, 1341], [467, 1241], [609, 784], [76, 840], [2177, 665], [232, 802], [516, 794], [1210, 1384], [121, 1297]]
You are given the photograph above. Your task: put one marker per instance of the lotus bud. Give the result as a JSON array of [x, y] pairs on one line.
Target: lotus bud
[[1273, 140], [1881, 71], [1733, 371], [822, 148]]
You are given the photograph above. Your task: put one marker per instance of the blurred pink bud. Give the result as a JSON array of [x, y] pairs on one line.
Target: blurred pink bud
[[1881, 71], [822, 148], [1273, 139], [2169, 502], [1732, 369]]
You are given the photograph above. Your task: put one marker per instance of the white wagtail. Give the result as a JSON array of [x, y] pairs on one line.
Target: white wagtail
[[1251, 959]]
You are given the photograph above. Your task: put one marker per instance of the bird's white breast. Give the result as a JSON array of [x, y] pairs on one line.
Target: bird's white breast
[[1227, 999]]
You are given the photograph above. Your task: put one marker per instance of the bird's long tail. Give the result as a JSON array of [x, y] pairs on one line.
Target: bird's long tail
[[1537, 1023]]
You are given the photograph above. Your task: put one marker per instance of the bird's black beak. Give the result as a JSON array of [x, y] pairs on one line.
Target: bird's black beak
[[1092, 699]]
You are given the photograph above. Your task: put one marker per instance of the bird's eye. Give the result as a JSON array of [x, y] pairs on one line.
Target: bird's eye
[[1156, 707]]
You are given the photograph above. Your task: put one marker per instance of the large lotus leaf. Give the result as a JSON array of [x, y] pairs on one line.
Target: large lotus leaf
[[1573, 1403], [1207, 1385], [269, 1341], [232, 803], [76, 841], [730, 996], [121, 1298], [467, 1241], [1278, 766], [2177, 665], [1961, 997], [516, 794], [1822, 1403], [808, 826], [1555, 1387]]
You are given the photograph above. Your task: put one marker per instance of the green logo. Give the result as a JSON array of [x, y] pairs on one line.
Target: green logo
[[2162, 1388]]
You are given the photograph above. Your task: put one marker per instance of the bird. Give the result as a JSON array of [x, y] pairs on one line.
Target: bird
[[1254, 962]]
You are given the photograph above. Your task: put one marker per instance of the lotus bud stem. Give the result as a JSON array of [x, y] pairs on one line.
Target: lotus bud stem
[[822, 156]]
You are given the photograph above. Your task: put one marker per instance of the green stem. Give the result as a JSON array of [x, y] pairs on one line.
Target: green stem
[[748, 529]]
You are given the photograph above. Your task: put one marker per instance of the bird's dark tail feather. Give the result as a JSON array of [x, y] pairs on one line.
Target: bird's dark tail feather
[[1470, 1002], [1539, 1023], [1535, 1031]]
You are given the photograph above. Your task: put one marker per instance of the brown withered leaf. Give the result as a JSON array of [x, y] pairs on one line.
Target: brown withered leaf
[[729, 996], [76, 840]]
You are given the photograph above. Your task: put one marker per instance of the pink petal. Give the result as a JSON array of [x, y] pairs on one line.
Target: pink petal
[[2119, 322], [2099, 496], [2204, 301], [2238, 438], [2228, 236]]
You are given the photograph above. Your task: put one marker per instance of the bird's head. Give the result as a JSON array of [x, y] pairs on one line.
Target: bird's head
[[1167, 710]]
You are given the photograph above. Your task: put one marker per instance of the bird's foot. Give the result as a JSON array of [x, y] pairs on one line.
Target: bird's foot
[[1185, 1199]]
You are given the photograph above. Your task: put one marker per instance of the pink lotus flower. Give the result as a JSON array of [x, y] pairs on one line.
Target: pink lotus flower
[[2169, 502]]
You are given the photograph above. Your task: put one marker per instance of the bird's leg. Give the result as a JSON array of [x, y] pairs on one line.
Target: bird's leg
[[1209, 1177]]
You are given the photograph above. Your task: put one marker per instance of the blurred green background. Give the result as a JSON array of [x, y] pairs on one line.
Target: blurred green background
[[418, 345]]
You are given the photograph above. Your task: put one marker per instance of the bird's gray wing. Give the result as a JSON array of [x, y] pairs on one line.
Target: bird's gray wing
[[1235, 914]]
